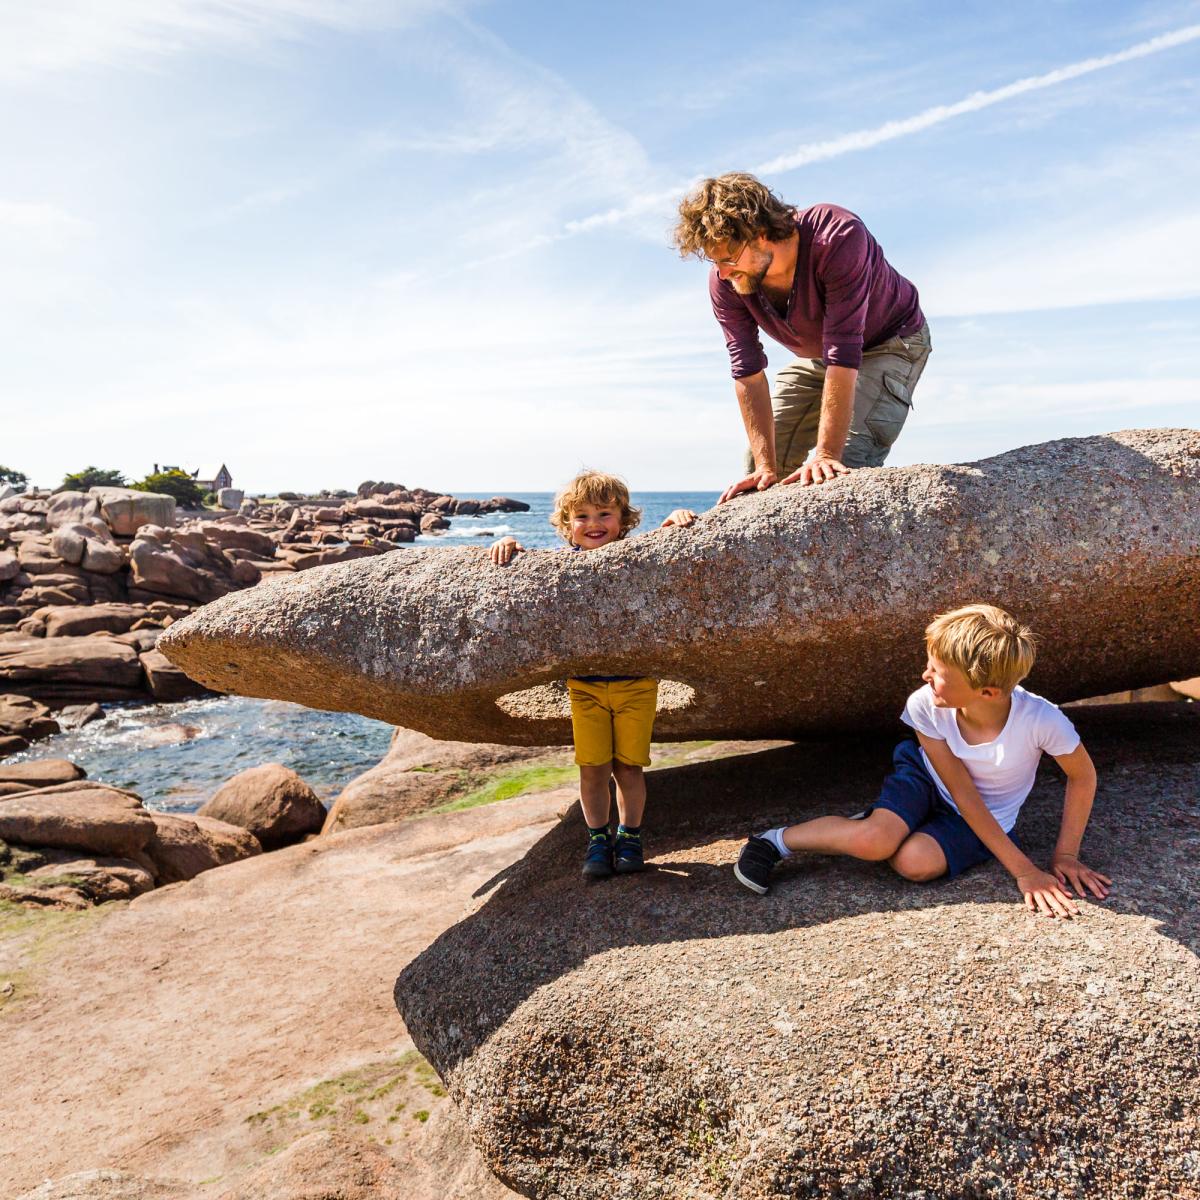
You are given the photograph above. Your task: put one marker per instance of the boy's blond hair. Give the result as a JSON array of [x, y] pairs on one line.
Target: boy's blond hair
[[593, 487], [989, 646]]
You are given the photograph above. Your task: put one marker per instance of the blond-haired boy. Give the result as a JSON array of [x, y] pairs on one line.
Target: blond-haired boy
[[951, 801], [612, 716]]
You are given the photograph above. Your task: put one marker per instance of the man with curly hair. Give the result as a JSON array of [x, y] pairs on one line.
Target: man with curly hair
[[817, 282]]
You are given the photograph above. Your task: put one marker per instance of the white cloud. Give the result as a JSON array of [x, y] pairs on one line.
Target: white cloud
[[46, 225], [61, 35], [1068, 264]]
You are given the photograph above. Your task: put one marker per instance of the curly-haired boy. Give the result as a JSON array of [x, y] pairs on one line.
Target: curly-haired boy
[[612, 716]]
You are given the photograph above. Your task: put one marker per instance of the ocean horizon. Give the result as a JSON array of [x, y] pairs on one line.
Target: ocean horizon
[[533, 529]]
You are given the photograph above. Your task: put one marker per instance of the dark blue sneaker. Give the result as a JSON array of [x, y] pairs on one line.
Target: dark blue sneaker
[[627, 853], [598, 862], [755, 864]]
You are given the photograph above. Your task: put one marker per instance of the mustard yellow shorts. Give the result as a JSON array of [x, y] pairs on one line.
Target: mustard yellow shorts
[[613, 720]]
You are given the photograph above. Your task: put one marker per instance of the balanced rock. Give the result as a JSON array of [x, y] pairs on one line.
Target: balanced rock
[[272, 802], [788, 611], [851, 1034]]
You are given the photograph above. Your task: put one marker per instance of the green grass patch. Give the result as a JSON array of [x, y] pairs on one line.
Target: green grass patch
[[422, 1115], [513, 783]]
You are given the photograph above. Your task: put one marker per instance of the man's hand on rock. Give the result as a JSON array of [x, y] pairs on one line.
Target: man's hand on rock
[[1044, 894], [756, 481], [820, 469], [501, 552], [1071, 873]]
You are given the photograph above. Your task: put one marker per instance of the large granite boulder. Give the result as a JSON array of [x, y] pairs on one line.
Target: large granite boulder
[[72, 620], [165, 681], [271, 801], [183, 565], [419, 773], [22, 716], [78, 816], [184, 847], [793, 610], [126, 509], [41, 773], [70, 508], [66, 670], [851, 1034]]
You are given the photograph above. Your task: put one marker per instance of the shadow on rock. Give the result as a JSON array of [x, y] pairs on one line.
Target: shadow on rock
[[851, 1034]]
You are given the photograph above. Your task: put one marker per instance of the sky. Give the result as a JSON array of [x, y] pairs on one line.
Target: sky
[[325, 241]]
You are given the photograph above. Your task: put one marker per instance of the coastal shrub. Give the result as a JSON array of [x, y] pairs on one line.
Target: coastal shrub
[[210, 499], [9, 475], [290, 497], [175, 483], [90, 477]]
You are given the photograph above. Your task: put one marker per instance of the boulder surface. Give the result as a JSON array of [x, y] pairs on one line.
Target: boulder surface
[[271, 801], [793, 610], [854, 1035]]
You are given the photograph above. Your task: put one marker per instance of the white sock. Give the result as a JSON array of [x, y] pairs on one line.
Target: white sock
[[775, 837]]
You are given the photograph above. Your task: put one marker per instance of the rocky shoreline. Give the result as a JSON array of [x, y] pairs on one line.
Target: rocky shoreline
[[88, 581]]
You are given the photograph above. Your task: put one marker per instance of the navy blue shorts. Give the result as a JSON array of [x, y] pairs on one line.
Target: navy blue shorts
[[910, 792]]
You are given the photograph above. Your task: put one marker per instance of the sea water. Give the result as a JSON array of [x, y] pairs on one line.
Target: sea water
[[175, 756]]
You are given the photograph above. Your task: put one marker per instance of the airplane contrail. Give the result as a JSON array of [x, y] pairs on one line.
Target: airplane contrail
[[863, 139]]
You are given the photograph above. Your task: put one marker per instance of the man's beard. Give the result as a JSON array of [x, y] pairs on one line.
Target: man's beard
[[746, 283]]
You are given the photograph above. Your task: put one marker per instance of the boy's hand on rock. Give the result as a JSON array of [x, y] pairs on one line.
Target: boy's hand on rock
[[1043, 893], [1068, 870], [680, 517], [501, 552]]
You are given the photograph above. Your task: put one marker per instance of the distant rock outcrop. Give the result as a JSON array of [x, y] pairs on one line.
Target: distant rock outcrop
[[852, 1034], [790, 611]]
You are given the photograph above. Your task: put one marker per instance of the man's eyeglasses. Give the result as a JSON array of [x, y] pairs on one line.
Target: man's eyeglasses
[[725, 262]]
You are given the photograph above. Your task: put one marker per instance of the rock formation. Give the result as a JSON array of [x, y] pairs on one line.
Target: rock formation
[[851, 1034], [271, 801], [794, 610], [74, 565]]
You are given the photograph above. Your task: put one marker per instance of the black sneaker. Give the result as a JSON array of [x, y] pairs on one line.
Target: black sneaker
[[755, 864], [598, 862], [627, 853]]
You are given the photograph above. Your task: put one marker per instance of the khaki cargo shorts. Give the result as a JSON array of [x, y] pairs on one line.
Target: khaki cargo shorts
[[882, 402]]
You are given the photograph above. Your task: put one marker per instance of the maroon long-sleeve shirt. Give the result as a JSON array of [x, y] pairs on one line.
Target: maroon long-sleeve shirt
[[846, 297]]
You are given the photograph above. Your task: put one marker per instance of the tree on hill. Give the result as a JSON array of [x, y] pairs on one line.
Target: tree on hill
[[9, 475], [174, 482], [90, 477]]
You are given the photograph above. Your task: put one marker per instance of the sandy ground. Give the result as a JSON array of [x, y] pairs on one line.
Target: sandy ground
[[206, 1027]]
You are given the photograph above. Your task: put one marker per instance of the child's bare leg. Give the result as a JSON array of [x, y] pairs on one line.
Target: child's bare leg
[[631, 793], [919, 858], [593, 794], [873, 838]]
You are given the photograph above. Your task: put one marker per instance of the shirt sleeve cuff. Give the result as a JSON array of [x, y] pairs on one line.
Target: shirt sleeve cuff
[[843, 354]]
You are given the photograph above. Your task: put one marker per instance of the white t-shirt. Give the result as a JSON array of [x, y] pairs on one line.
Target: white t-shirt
[[1002, 770]]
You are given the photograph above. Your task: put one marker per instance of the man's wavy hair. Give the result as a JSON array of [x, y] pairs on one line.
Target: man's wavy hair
[[731, 209], [593, 487]]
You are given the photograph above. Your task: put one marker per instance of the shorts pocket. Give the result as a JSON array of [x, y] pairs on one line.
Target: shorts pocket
[[890, 411]]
